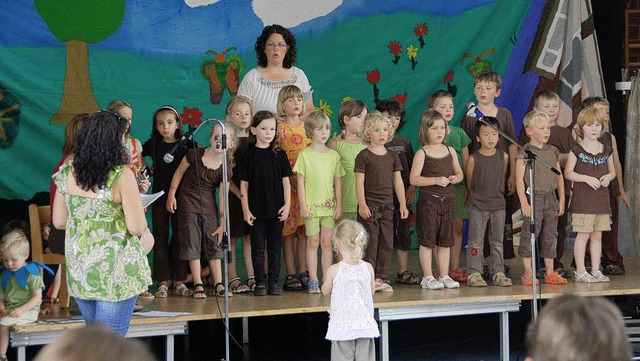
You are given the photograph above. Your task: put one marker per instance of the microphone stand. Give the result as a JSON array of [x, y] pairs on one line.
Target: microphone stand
[[224, 244], [530, 159]]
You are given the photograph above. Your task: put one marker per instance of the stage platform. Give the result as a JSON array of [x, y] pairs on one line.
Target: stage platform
[[406, 302]]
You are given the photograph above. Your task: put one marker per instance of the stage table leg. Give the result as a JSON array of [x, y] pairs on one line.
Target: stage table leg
[[504, 336], [22, 355], [384, 341], [245, 330], [170, 348]]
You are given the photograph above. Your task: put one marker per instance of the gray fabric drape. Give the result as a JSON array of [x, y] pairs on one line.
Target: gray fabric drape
[[632, 159]]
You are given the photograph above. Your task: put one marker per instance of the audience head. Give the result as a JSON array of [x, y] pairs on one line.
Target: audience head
[[264, 39], [72, 130], [14, 249], [94, 343], [574, 328], [350, 235]]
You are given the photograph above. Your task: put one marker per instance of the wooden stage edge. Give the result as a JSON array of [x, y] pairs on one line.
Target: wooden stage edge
[[406, 302]]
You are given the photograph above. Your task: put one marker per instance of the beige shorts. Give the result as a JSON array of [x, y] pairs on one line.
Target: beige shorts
[[587, 223]]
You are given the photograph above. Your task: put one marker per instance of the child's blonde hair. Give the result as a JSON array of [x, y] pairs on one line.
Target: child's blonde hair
[[14, 242], [588, 115], [488, 76], [238, 99], [433, 99], [371, 119], [545, 95], [532, 116], [565, 331], [350, 108], [118, 104], [285, 93], [350, 235], [591, 101], [315, 119], [426, 121], [232, 139]]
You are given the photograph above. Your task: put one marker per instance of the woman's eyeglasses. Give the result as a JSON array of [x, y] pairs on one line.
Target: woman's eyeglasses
[[274, 45]]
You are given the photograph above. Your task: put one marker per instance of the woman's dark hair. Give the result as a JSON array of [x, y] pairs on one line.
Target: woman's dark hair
[[258, 118], [99, 148], [290, 58]]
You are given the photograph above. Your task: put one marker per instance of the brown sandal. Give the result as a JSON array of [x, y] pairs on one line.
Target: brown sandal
[[199, 293]]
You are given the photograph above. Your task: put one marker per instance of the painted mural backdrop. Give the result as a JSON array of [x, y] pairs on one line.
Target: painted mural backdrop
[[59, 58]]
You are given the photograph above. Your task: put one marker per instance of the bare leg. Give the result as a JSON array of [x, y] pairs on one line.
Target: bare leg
[[548, 264], [327, 249], [4, 341], [301, 249], [579, 249], [231, 266], [596, 250], [444, 253], [55, 286], [312, 256], [526, 263], [246, 253], [403, 260], [457, 244], [425, 254], [289, 254], [194, 266]]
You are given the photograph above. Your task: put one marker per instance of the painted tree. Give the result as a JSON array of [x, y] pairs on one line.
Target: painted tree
[[78, 22]]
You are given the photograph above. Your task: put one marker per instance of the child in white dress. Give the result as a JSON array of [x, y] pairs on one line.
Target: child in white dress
[[351, 286]]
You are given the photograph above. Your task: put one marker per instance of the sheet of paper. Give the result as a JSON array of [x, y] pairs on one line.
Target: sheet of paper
[[162, 314], [147, 199]]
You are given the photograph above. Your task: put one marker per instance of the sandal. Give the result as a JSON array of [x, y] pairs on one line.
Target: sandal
[[314, 287], [382, 285], [304, 279], [475, 280], [600, 277], [251, 283], [50, 300], [200, 294], [613, 270], [162, 292], [527, 279], [448, 282], [584, 277], [222, 291], [407, 278], [555, 279], [501, 280], [137, 307], [145, 294], [184, 291], [292, 283], [236, 286], [431, 283]]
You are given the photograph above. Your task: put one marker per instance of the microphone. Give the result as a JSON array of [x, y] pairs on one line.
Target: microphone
[[473, 111], [168, 157]]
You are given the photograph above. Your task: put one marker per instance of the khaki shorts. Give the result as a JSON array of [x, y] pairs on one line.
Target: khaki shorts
[[312, 225], [587, 223]]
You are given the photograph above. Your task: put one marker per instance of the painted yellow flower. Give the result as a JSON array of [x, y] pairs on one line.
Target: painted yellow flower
[[412, 51], [345, 99], [325, 107]]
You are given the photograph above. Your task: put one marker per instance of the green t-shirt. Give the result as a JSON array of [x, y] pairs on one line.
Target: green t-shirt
[[320, 171], [16, 296]]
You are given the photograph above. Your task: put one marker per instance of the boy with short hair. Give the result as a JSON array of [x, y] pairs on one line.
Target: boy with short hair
[[612, 262], [394, 111], [548, 205], [486, 205], [486, 88]]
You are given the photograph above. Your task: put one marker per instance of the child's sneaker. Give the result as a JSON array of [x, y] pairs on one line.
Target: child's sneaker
[[501, 280], [314, 287], [448, 282], [459, 275], [555, 279], [431, 283], [600, 277], [527, 279], [475, 280]]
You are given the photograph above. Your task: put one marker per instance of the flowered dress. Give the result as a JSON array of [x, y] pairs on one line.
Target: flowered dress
[[292, 141], [104, 261]]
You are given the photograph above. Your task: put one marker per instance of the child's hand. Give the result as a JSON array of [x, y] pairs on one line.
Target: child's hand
[[593, 182], [304, 212], [283, 213], [3, 313], [410, 195], [526, 210], [404, 212], [218, 233], [511, 184], [560, 208], [337, 213], [144, 185], [623, 197], [364, 211], [248, 217], [604, 180], [453, 179], [16, 312], [171, 204], [442, 181]]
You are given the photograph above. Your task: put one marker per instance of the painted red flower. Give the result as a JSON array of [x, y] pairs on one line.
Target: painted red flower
[[421, 30], [448, 78], [395, 48], [373, 76], [191, 116], [401, 98]]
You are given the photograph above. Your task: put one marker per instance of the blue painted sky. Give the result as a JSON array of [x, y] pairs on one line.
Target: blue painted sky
[[172, 26]]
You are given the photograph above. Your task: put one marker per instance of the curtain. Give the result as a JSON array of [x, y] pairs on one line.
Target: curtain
[[632, 161]]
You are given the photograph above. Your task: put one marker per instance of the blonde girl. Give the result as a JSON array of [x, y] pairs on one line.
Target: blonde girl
[[348, 144], [133, 145], [239, 113], [198, 210], [318, 172], [293, 139], [377, 179], [590, 166], [435, 170], [350, 283]]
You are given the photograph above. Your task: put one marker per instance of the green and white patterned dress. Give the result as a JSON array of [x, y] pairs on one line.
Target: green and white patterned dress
[[104, 261]]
